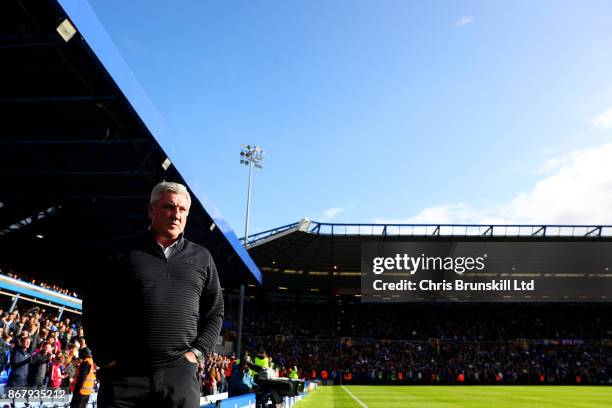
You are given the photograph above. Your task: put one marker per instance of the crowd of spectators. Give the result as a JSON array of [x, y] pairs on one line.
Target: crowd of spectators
[[4, 270], [447, 343], [214, 373], [369, 343], [38, 349], [444, 362], [467, 322]]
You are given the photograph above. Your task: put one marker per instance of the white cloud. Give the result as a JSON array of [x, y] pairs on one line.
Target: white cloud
[[579, 191], [330, 213], [557, 162], [550, 165], [603, 120], [441, 214], [463, 21]]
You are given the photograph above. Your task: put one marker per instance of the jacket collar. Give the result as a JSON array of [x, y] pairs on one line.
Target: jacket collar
[[153, 244]]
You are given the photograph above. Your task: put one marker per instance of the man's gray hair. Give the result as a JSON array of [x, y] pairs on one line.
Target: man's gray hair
[[164, 186]]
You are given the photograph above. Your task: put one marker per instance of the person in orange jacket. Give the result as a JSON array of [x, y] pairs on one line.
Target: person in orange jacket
[[83, 385]]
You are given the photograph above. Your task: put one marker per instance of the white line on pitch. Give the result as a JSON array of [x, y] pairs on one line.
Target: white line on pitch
[[354, 397]]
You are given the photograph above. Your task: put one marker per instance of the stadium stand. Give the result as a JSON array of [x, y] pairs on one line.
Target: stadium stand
[[437, 344], [77, 197], [52, 352], [56, 287]]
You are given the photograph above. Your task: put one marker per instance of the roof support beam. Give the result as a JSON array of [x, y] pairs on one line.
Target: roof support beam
[[73, 141], [37, 173], [90, 197], [594, 232], [30, 220], [44, 99], [26, 40], [29, 44]]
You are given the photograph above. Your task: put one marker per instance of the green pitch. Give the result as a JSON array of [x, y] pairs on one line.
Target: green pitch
[[361, 396]]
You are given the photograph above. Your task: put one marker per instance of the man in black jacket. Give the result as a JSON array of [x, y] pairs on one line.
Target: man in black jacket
[[170, 287], [20, 360], [38, 366]]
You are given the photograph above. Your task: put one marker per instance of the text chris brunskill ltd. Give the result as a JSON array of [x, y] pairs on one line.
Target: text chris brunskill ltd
[[426, 285]]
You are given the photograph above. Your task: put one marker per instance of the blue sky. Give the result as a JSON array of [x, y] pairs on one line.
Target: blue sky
[[392, 111]]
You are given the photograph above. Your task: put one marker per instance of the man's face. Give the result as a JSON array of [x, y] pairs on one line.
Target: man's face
[[25, 342], [169, 215]]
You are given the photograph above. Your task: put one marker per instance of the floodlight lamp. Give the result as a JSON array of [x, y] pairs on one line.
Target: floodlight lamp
[[166, 164], [66, 30]]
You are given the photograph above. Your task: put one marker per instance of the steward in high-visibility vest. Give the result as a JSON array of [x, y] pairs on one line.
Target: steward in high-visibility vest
[[262, 360], [83, 385], [293, 374]]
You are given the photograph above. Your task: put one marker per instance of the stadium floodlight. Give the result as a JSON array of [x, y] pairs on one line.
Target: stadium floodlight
[[66, 30], [166, 164], [250, 155]]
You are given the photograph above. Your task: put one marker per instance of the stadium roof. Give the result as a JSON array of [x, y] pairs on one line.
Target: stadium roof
[[81, 146], [309, 256]]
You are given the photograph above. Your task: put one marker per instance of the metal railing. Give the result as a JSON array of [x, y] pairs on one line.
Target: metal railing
[[441, 230]]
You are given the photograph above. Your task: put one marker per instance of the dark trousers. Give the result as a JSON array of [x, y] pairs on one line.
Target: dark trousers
[[172, 387], [79, 401]]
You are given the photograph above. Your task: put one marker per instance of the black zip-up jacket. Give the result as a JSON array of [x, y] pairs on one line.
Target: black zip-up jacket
[[145, 311]]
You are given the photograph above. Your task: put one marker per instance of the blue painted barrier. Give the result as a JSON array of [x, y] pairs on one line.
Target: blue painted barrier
[[243, 401]]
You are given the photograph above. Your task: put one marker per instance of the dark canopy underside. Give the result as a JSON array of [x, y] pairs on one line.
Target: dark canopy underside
[[77, 163]]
